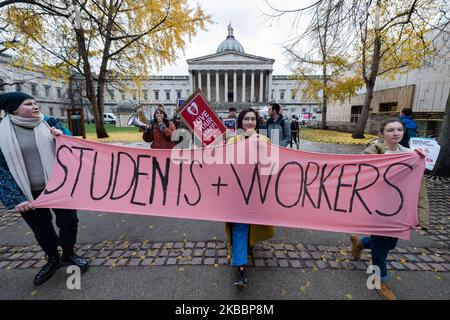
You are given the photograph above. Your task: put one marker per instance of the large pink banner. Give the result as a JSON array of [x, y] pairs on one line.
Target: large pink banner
[[249, 182]]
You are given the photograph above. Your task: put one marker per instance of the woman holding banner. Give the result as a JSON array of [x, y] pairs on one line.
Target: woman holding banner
[[391, 132], [242, 237], [160, 132], [27, 154]]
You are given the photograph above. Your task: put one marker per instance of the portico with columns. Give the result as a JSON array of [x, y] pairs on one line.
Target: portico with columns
[[231, 76]]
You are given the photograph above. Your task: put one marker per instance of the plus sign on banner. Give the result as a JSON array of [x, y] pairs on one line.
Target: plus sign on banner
[[201, 118]]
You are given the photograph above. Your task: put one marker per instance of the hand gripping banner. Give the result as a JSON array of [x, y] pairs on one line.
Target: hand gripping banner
[[249, 182]]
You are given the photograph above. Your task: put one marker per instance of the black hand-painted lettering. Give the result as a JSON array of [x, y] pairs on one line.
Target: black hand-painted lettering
[[119, 159], [400, 206], [58, 159], [322, 189], [79, 167], [111, 174], [196, 183], [164, 178], [339, 186], [138, 173], [306, 184], [356, 189], [277, 196]]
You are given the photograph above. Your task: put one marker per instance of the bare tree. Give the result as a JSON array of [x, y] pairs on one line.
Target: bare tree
[[320, 47]]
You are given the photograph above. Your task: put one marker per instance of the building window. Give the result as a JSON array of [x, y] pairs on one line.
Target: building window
[[178, 94], [355, 112], [59, 92], [122, 93], [388, 107], [188, 92], [293, 94], [156, 92], [145, 93], [50, 111], [47, 91], [272, 94], [62, 112], [18, 87], [282, 95], [111, 94], [34, 89], [2, 85], [167, 94]]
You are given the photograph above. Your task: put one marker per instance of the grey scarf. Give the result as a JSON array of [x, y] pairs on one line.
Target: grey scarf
[[13, 155]]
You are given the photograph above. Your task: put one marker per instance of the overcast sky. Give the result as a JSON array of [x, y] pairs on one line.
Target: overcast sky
[[257, 35]]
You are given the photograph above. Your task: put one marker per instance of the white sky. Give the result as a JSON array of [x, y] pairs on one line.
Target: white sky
[[256, 33]]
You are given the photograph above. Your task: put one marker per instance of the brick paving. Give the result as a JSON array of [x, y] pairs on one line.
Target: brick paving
[[265, 254], [144, 253]]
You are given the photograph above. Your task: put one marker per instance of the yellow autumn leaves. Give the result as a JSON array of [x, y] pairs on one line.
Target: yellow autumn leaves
[[329, 136]]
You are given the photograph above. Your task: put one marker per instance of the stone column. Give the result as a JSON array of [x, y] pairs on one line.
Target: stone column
[[225, 91], [208, 85], [217, 86], [261, 86], [234, 86], [191, 82], [252, 86], [269, 96], [243, 86], [199, 79]]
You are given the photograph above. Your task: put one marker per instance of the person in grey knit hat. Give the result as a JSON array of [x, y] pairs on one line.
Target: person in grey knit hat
[[27, 154]]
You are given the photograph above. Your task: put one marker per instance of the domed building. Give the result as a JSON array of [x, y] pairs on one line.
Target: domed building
[[231, 76]]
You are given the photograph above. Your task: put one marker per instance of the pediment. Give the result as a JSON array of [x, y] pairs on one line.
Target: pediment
[[233, 57]]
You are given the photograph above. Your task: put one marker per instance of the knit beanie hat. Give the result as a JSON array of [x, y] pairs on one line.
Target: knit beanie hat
[[10, 101]]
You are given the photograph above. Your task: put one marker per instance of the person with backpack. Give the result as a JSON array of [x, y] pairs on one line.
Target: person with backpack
[[294, 130], [410, 126], [277, 124]]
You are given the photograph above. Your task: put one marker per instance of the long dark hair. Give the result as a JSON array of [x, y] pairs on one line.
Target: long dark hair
[[165, 119], [241, 118]]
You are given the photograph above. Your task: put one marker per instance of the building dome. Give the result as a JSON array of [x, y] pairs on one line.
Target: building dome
[[230, 43], [126, 106]]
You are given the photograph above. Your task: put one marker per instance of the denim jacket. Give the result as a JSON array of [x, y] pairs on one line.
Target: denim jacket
[[10, 193]]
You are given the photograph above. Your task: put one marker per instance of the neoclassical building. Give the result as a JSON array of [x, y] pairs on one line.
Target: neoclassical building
[[228, 77]]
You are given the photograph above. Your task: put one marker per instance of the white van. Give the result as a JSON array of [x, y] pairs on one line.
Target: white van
[[109, 118]]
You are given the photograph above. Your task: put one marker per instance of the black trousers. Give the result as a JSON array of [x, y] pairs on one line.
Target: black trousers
[[40, 221], [294, 136]]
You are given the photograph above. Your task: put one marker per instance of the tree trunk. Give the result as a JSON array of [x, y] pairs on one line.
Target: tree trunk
[[323, 124], [90, 88], [442, 167], [370, 84]]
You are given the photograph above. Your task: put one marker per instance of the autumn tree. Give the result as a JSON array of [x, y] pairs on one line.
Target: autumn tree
[[320, 48], [101, 40]]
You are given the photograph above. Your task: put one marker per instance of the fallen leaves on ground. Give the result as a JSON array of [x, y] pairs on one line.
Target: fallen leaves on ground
[[330, 136]]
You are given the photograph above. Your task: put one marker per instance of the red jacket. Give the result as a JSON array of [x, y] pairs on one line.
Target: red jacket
[[160, 137]]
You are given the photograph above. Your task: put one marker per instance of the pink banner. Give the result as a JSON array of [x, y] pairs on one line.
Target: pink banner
[[249, 182]]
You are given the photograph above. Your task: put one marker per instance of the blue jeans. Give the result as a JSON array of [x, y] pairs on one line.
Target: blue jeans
[[239, 249], [380, 246]]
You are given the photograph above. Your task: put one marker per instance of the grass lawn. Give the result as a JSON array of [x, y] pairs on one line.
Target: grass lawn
[[127, 134], [329, 136], [132, 134]]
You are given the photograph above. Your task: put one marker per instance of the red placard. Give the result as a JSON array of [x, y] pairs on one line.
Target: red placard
[[201, 118]]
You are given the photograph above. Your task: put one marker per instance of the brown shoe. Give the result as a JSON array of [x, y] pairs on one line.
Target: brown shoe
[[357, 247], [385, 292]]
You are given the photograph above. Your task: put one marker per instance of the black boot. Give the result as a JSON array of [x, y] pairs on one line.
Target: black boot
[[47, 270], [241, 281], [76, 260]]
